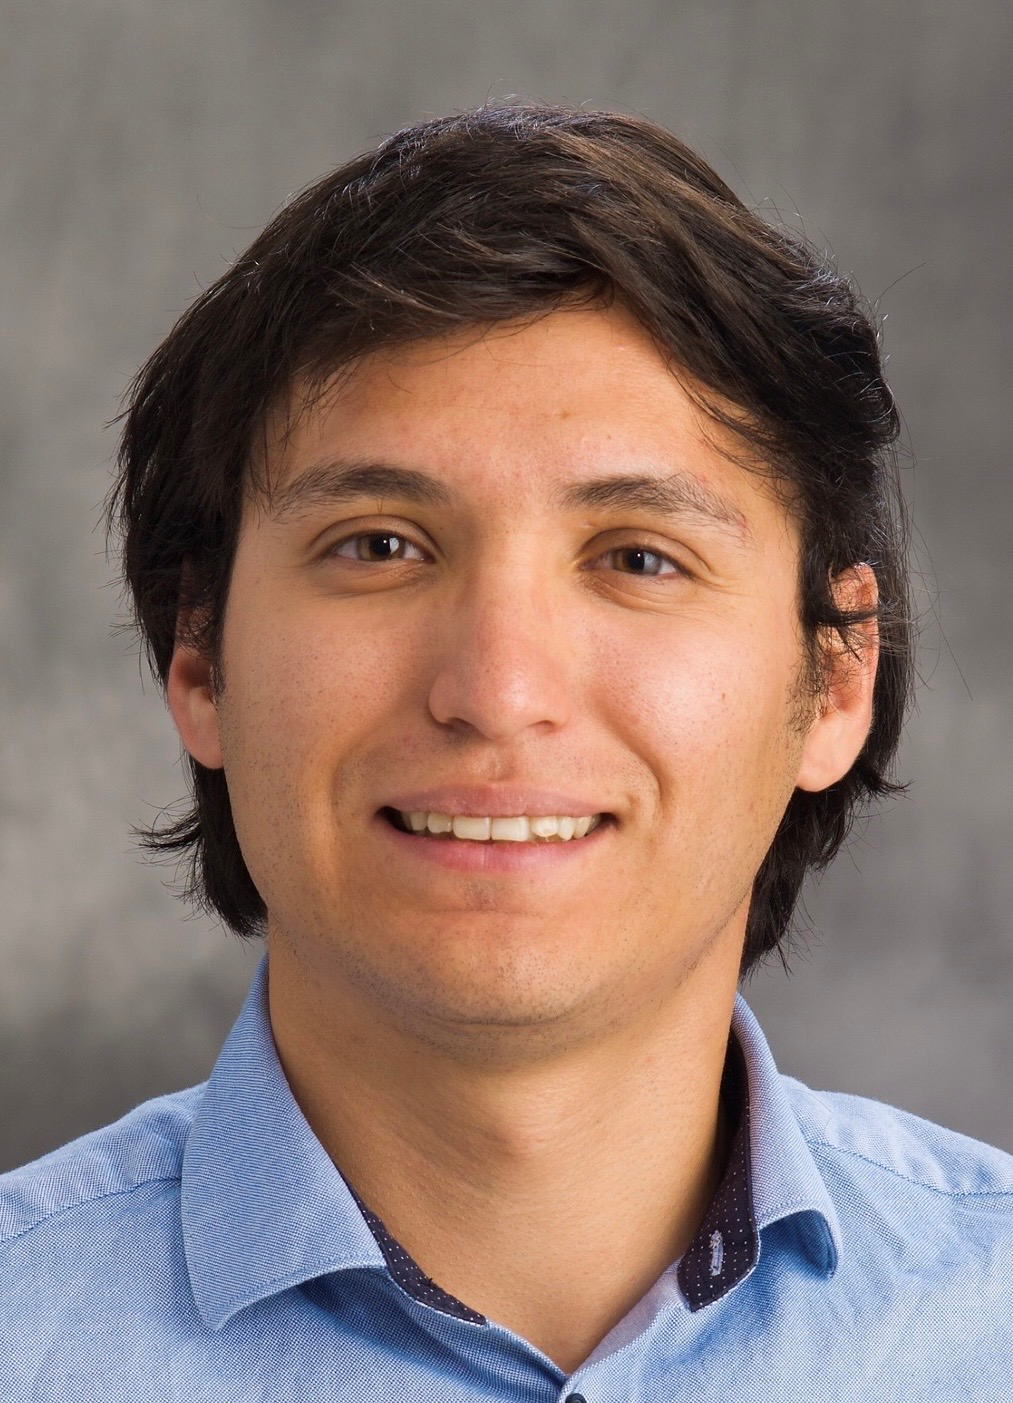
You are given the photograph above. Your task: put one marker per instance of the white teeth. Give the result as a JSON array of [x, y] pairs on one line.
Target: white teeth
[[507, 829]]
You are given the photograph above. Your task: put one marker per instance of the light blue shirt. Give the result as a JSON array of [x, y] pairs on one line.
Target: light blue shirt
[[206, 1248]]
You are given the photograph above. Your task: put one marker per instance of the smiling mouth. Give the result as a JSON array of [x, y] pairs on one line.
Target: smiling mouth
[[513, 828]]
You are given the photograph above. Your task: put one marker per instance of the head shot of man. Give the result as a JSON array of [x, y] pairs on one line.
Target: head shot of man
[[515, 531]]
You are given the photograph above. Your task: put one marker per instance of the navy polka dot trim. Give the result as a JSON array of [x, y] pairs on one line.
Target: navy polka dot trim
[[407, 1273], [726, 1244]]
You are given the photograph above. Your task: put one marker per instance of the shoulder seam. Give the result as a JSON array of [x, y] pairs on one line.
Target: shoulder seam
[[82, 1202], [907, 1179]]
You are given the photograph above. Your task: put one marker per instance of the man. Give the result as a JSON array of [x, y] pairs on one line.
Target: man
[[515, 532]]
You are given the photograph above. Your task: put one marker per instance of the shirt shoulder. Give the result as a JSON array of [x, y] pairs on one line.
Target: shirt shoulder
[[143, 1148], [896, 1143]]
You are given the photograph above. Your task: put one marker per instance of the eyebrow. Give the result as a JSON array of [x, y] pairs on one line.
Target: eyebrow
[[677, 494], [336, 482]]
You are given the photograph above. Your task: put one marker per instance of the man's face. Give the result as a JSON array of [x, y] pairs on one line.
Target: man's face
[[571, 603]]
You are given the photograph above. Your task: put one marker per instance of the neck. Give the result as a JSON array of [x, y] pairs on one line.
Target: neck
[[530, 1164]]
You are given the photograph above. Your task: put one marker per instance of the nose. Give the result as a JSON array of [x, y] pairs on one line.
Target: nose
[[504, 666]]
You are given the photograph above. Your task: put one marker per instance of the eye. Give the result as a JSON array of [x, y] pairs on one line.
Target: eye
[[637, 560], [375, 547]]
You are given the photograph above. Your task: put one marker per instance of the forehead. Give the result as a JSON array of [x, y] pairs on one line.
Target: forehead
[[568, 411]]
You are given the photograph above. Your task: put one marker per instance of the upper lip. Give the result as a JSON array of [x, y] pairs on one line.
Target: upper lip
[[481, 801]]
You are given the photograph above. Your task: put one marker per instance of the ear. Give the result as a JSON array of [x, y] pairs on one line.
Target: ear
[[190, 692], [844, 706]]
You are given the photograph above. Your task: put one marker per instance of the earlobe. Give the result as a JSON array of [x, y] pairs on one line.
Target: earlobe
[[191, 695], [844, 716]]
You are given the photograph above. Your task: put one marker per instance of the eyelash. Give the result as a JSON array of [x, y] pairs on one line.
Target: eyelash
[[634, 549]]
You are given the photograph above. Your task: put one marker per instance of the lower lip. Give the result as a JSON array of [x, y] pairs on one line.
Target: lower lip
[[464, 855]]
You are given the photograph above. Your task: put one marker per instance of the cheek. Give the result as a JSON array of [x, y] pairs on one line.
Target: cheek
[[301, 695], [707, 709]]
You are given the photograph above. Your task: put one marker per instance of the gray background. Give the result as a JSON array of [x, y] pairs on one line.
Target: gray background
[[146, 141]]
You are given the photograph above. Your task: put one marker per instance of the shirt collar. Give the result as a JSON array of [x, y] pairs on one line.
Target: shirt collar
[[770, 1176], [264, 1208]]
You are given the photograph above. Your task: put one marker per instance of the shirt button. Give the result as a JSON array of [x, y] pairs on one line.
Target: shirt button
[[574, 1398]]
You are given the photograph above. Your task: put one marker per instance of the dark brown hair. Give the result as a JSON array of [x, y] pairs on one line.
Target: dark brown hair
[[493, 215]]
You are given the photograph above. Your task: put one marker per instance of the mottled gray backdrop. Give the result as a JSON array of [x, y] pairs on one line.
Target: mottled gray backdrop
[[144, 142]]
